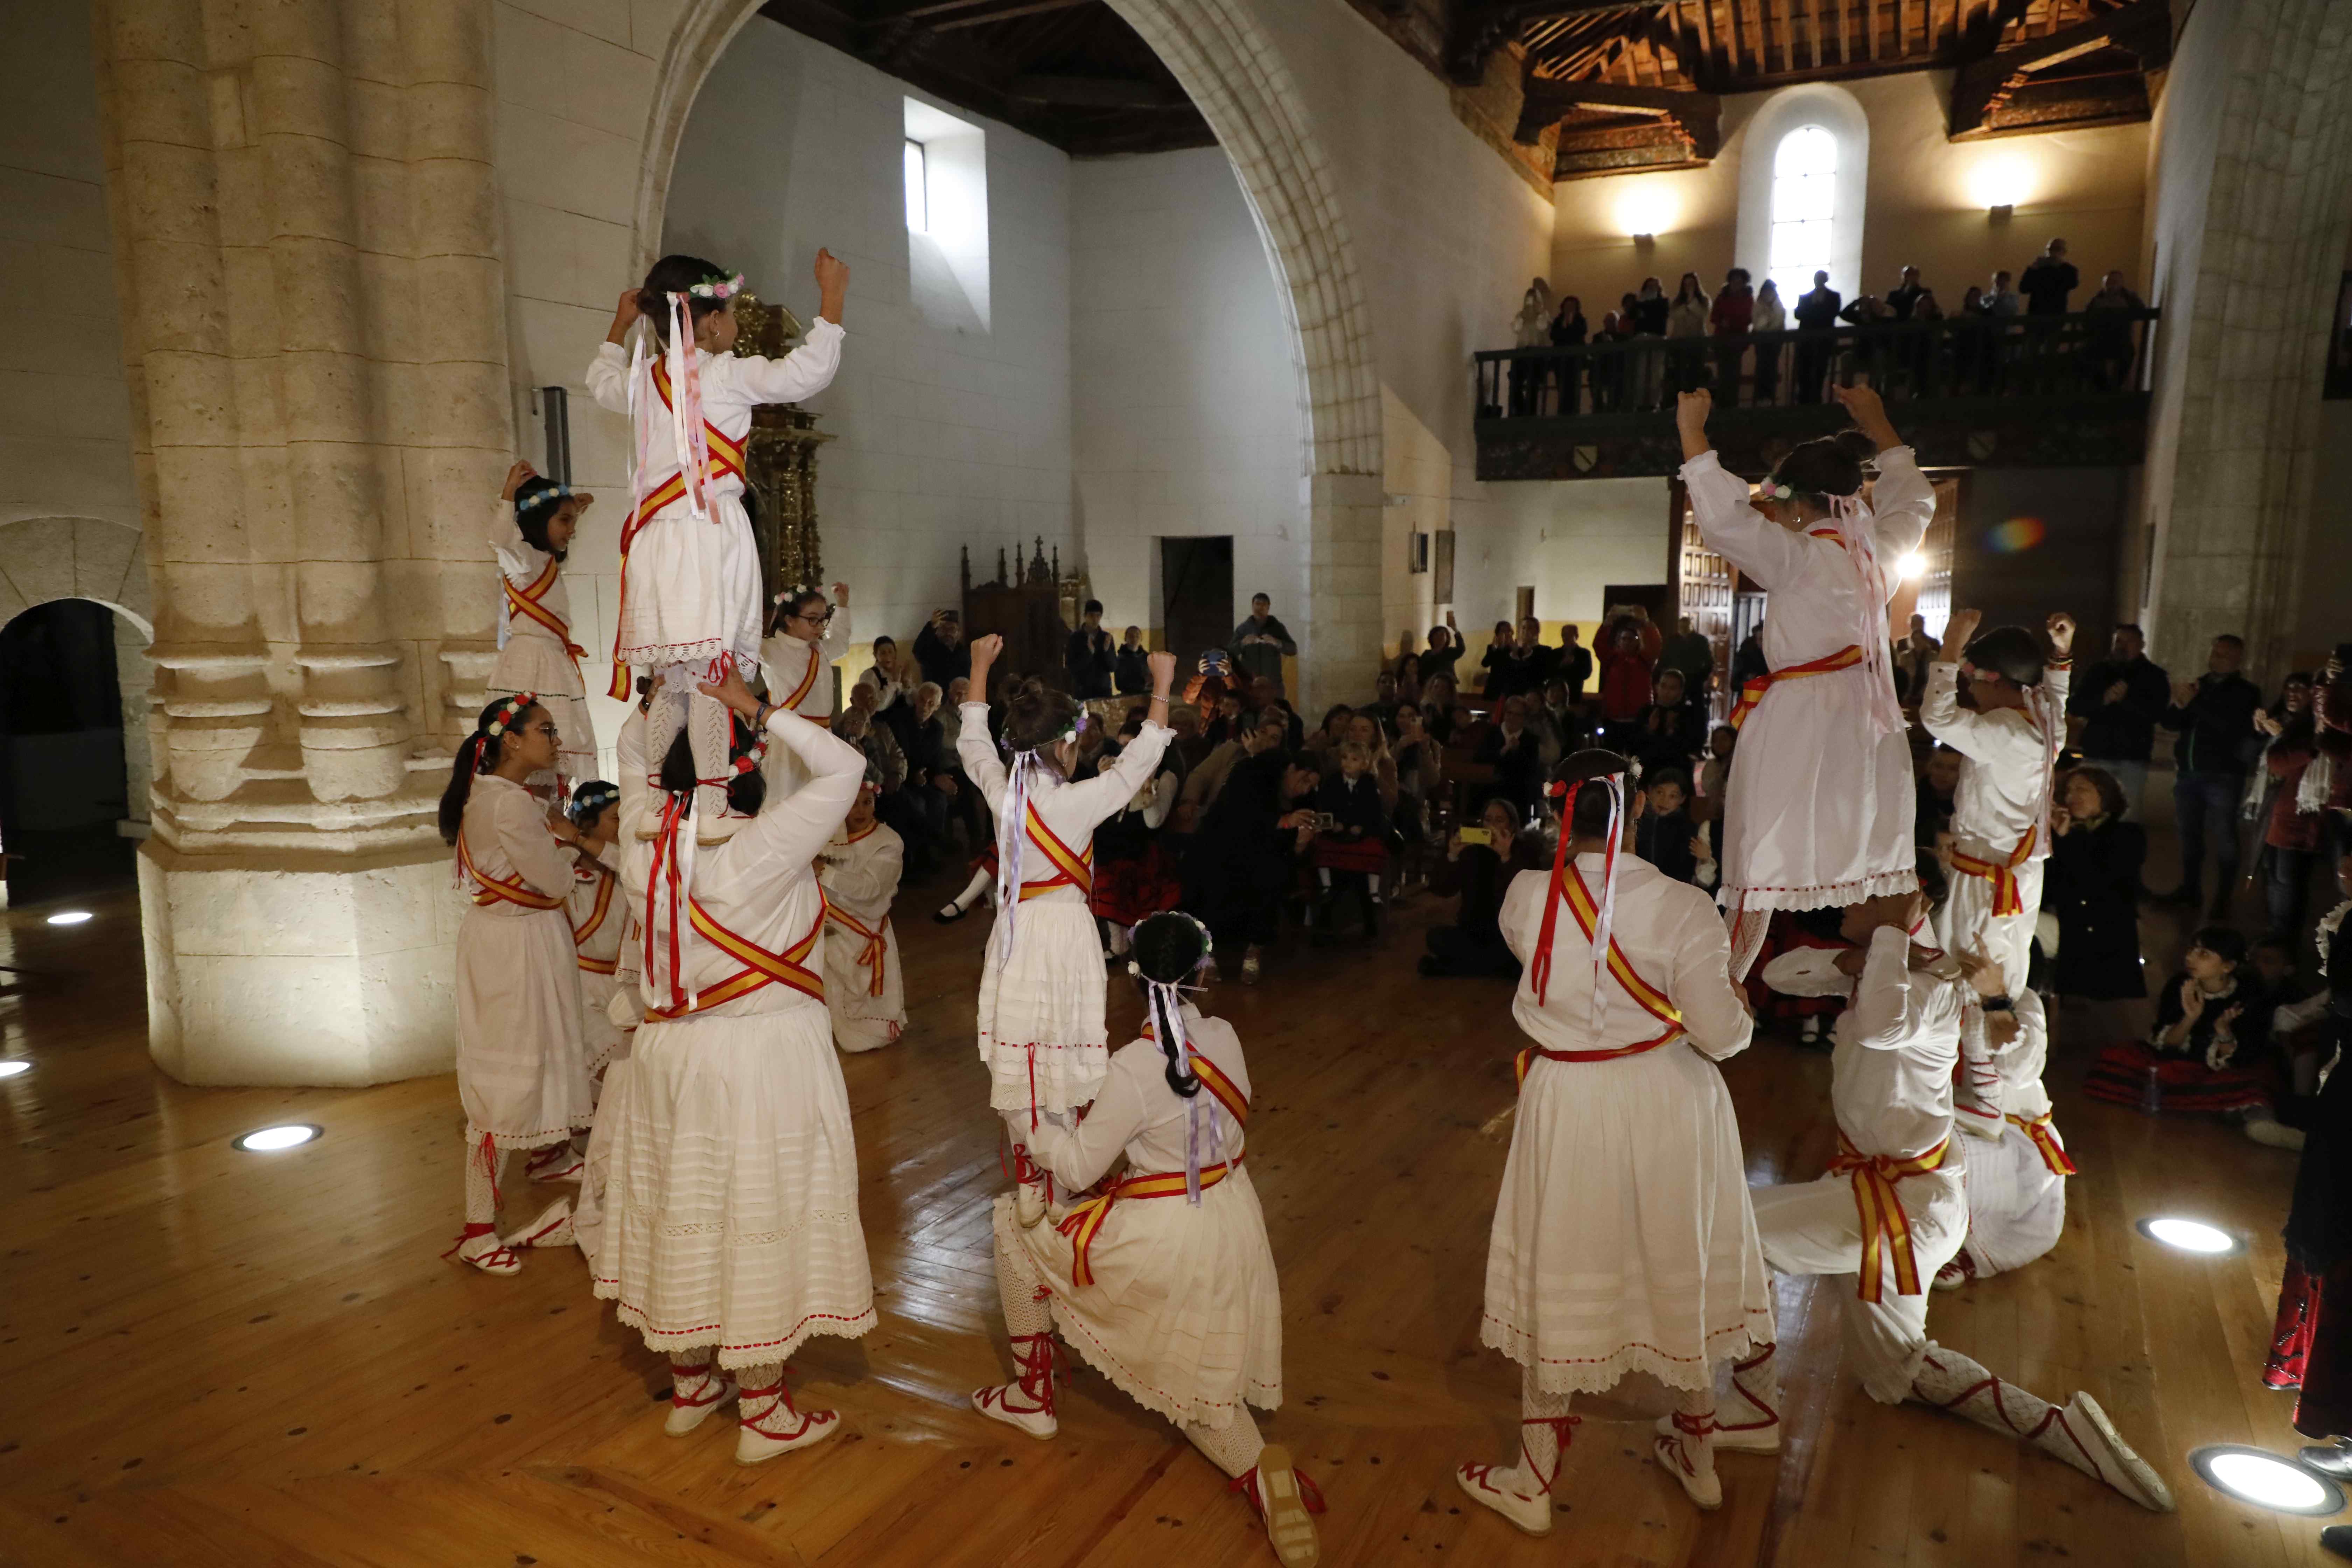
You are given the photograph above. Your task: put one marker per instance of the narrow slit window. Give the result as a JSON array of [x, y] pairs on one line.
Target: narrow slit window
[[918, 204], [1804, 207]]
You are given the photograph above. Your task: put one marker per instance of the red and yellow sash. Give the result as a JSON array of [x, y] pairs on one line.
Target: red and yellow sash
[[875, 953], [2006, 899], [1579, 899], [2045, 1140], [1884, 1226], [1085, 1222], [493, 890], [1070, 870], [1223, 1090], [528, 603], [761, 967], [726, 458], [1753, 691], [594, 923]]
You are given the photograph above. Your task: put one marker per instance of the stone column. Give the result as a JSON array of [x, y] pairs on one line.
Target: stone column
[[300, 191]]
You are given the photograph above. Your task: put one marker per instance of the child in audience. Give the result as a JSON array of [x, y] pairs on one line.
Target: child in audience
[[1351, 851], [2210, 1040], [1665, 836]]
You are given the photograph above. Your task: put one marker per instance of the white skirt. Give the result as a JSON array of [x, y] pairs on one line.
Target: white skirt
[[1622, 1239], [533, 663], [2017, 1204], [1041, 1016], [1819, 812], [600, 1036], [731, 1205], [522, 1073], [863, 1021], [1185, 1312], [595, 1175], [693, 588]]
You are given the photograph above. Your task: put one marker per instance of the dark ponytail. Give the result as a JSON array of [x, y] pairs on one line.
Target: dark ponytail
[[1830, 466], [1170, 948], [479, 753], [675, 275], [747, 788]]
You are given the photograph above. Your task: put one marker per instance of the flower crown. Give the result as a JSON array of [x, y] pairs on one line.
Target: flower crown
[[553, 493], [508, 712], [755, 756], [1774, 489], [1208, 943], [725, 288], [589, 802]]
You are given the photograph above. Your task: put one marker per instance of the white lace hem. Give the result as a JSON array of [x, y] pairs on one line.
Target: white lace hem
[[1832, 895], [1215, 1413], [1596, 1375], [667, 1342]]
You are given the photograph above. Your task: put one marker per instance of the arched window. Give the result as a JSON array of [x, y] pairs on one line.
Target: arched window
[[1804, 208]]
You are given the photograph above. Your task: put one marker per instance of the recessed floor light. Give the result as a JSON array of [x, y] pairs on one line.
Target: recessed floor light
[[2266, 1479], [2190, 1235], [68, 917], [270, 1140], [14, 1069]]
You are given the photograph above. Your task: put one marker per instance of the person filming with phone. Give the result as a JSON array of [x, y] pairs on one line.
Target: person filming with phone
[[1479, 864]]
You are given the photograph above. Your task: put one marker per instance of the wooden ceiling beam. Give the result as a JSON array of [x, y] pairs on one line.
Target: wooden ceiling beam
[[1095, 92], [2143, 29], [1482, 26], [1700, 115]]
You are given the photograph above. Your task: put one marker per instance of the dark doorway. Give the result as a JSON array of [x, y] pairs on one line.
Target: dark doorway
[[62, 789], [1196, 595]]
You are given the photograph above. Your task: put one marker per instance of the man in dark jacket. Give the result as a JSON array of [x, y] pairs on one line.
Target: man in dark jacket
[[1259, 642], [1573, 667], [1091, 658], [1240, 863], [1523, 671], [1816, 310], [940, 649], [2214, 717], [2120, 700], [1514, 750]]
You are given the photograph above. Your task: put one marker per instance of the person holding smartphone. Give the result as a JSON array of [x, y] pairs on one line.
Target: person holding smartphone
[[1480, 861]]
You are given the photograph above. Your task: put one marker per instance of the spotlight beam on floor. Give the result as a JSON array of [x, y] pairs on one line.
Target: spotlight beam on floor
[[2265, 1479], [277, 1139]]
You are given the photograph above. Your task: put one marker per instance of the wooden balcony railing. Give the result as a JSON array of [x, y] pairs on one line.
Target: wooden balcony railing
[[2045, 390]]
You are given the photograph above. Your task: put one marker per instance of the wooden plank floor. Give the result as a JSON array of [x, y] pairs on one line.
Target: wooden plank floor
[[209, 1357]]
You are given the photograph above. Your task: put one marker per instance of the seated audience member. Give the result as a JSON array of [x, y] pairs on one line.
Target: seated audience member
[[2208, 1048], [1239, 868], [1382, 709], [1134, 876], [1405, 657], [1670, 731], [1225, 720], [1408, 688], [1479, 864], [1326, 737], [1935, 785], [2091, 883], [930, 764], [1515, 754], [1665, 836], [1421, 774], [1366, 731], [940, 649], [1494, 669], [1437, 707], [1132, 667], [1350, 852], [1714, 777], [1559, 727], [1204, 784]]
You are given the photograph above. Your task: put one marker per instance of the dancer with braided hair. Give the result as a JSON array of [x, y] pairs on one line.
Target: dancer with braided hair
[[1893, 1208], [1623, 1240], [730, 1217], [1041, 1035], [522, 1070], [1821, 800], [1163, 1282]]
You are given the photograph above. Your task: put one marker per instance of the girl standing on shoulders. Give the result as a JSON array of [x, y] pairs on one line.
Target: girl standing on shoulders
[[522, 1070], [532, 528], [1041, 1035]]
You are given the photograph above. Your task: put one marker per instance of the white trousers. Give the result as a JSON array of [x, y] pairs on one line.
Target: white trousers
[[1967, 918]]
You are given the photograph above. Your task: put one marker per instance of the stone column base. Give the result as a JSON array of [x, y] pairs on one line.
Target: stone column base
[[292, 970]]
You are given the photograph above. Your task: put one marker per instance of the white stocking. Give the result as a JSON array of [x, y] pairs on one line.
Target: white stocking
[[709, 731], [1019, 1286], [1747, 928], [1755, 1394], [982, 880], [1950, 1381], [1544, 1426], [1232, 1447], [485, 1174]]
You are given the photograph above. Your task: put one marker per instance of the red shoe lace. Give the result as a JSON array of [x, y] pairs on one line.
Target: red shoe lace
[[1770, 1415], [712, 1387], [783, 1401], [1563, 1431], [496, 1254]]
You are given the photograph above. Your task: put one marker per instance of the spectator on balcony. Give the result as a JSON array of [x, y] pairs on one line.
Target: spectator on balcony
[[1439, 658], [1903, 299], [1529, 329], [2109, 330], [1566, 331], [1771, 316], [1971, 351], [1817, 311], [2119, 702], [1574, 665], [2048, 281], [1609, 379], [1864, 354], [2001, 300], [1650, 311], [1687, 321], [1733, 314]]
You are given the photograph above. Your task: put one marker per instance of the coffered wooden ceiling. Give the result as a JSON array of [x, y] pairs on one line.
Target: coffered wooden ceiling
[[1606, 85], [1069, 72]]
